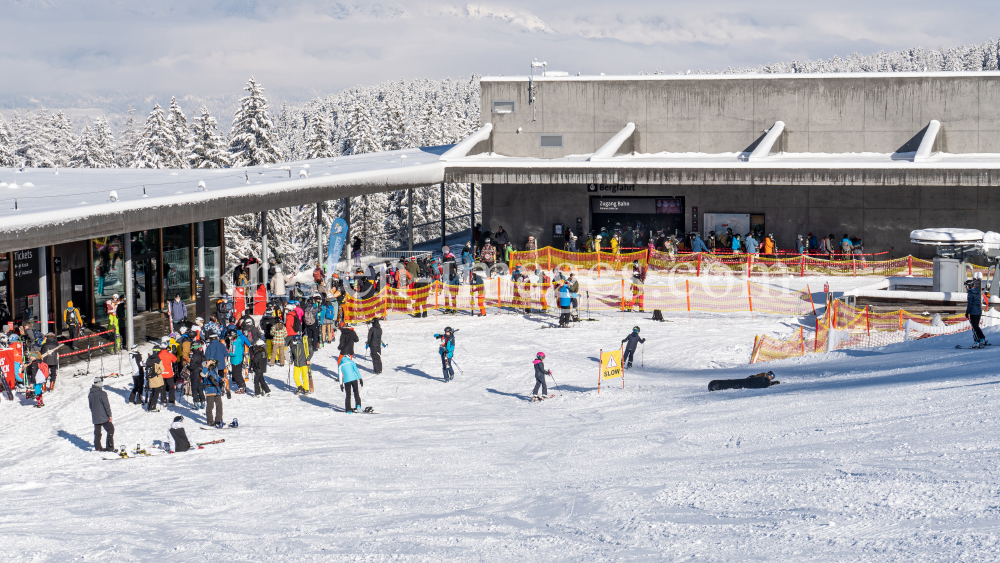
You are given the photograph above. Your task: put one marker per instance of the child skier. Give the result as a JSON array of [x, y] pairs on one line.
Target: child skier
[[540, 374], [632, 341], [447, 350], [38, 372], [350, 377]]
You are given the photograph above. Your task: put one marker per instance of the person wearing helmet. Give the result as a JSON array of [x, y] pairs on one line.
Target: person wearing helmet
[[74, 321], [631, 341], [138, 381], [194, 368], [488, 254], [974, 309], [350, 377], [177, 437], [447, 351], [214, 386], [258, 365], [154, 379], [51, 358], [111, 306], [300, 357], [540, 374]]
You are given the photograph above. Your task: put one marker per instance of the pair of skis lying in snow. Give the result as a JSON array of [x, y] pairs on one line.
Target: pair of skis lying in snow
[[140, 452]]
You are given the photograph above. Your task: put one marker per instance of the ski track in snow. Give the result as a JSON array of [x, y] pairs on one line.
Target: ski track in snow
[[882, 454]]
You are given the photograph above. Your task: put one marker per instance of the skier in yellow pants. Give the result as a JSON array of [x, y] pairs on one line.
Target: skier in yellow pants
[[299, 350]]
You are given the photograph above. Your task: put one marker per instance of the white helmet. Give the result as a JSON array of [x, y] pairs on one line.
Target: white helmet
[[115, 296]]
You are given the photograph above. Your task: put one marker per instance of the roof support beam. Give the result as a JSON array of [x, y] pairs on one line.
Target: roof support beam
[[763, 148], [923, 153], [611, 147]]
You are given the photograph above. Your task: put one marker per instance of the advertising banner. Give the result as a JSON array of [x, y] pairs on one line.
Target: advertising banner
[[338, 236]]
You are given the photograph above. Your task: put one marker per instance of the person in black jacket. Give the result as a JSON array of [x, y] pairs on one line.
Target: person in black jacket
[[51, 358], [631, 341], [258, 365], [100, 414], [374, 346], [138, 376], [347, 339], [194, 375]]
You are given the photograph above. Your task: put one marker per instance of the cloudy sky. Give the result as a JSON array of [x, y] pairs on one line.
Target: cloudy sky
[[298, 48]]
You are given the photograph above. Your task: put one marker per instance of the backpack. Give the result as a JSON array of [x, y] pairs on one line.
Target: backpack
[[296, 323], [310, 316], [657, 315], [72, 317]]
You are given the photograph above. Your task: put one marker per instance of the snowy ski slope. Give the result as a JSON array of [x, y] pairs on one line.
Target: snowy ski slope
[[859, 455]]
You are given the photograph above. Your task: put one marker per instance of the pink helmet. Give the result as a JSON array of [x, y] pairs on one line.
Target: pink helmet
[[540, 355]]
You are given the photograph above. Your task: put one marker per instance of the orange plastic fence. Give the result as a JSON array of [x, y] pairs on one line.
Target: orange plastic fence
[[851, 327], [692, 295], [702, 264]]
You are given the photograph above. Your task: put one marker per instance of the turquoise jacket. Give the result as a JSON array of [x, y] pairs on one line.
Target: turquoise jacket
[[348, 370]]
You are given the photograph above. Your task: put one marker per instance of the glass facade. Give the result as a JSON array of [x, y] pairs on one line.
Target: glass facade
[[109, 272], [145, 270], [177, 262]]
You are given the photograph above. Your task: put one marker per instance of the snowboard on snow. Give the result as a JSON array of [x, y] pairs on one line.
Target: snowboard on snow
[[752, 382], [540, 399]]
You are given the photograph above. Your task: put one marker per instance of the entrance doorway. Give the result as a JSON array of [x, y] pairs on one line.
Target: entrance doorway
[[145, 281], [639, 219]]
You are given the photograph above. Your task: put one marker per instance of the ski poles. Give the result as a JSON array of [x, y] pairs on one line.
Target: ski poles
[[556, 383], [460, 370]]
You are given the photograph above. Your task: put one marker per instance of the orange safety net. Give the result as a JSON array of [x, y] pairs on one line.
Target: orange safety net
[[844, 326], [704, 264], [740, 296]]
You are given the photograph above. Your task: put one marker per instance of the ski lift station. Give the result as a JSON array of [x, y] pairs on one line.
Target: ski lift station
[[872, 155]]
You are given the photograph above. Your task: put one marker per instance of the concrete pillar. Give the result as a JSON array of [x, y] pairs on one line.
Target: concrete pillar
[[319, 234], [201, 250], [409, 216], [444, 235], [130, 290], [263, 245], [43, 290]]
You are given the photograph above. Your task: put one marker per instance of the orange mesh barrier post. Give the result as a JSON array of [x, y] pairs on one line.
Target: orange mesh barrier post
[[750, 299], [436, 293], [909, 261], [900, 319], [816, 341], [802, 340], [698, 271], [753, 352], [687, 291], [499, 301], [598, 248], [748, 263], [623, 299], [599, 366], [802, 266], [811, 302], [833, 322], [548, 259], [868, 325]]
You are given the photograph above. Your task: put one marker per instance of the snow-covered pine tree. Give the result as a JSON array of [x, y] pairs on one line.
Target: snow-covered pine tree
[[88, 153], [157, 148], [106, 142], [64, 140], [208, 148], [252, 138], [182, 135], [129, 139], [34, 140], [7, 157], [320, 143]]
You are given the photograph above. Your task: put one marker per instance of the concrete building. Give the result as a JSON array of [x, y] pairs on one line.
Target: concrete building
[[870, 155]]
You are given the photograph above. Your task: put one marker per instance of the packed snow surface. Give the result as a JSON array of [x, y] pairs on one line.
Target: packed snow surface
[[860, 455]]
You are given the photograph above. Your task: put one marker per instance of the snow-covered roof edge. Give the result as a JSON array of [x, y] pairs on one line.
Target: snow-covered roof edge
[[745, 76]]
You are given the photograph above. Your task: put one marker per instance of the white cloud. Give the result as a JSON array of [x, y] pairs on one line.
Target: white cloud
[[307, 47]]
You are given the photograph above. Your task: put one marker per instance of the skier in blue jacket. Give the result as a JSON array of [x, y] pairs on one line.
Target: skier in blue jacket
[[751, 244], [216, 350], [447, 350], [236, 353], [565, 303], [350, 377], [698, 245]]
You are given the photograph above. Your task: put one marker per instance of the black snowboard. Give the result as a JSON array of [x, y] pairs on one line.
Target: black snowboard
[[752, 382]]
